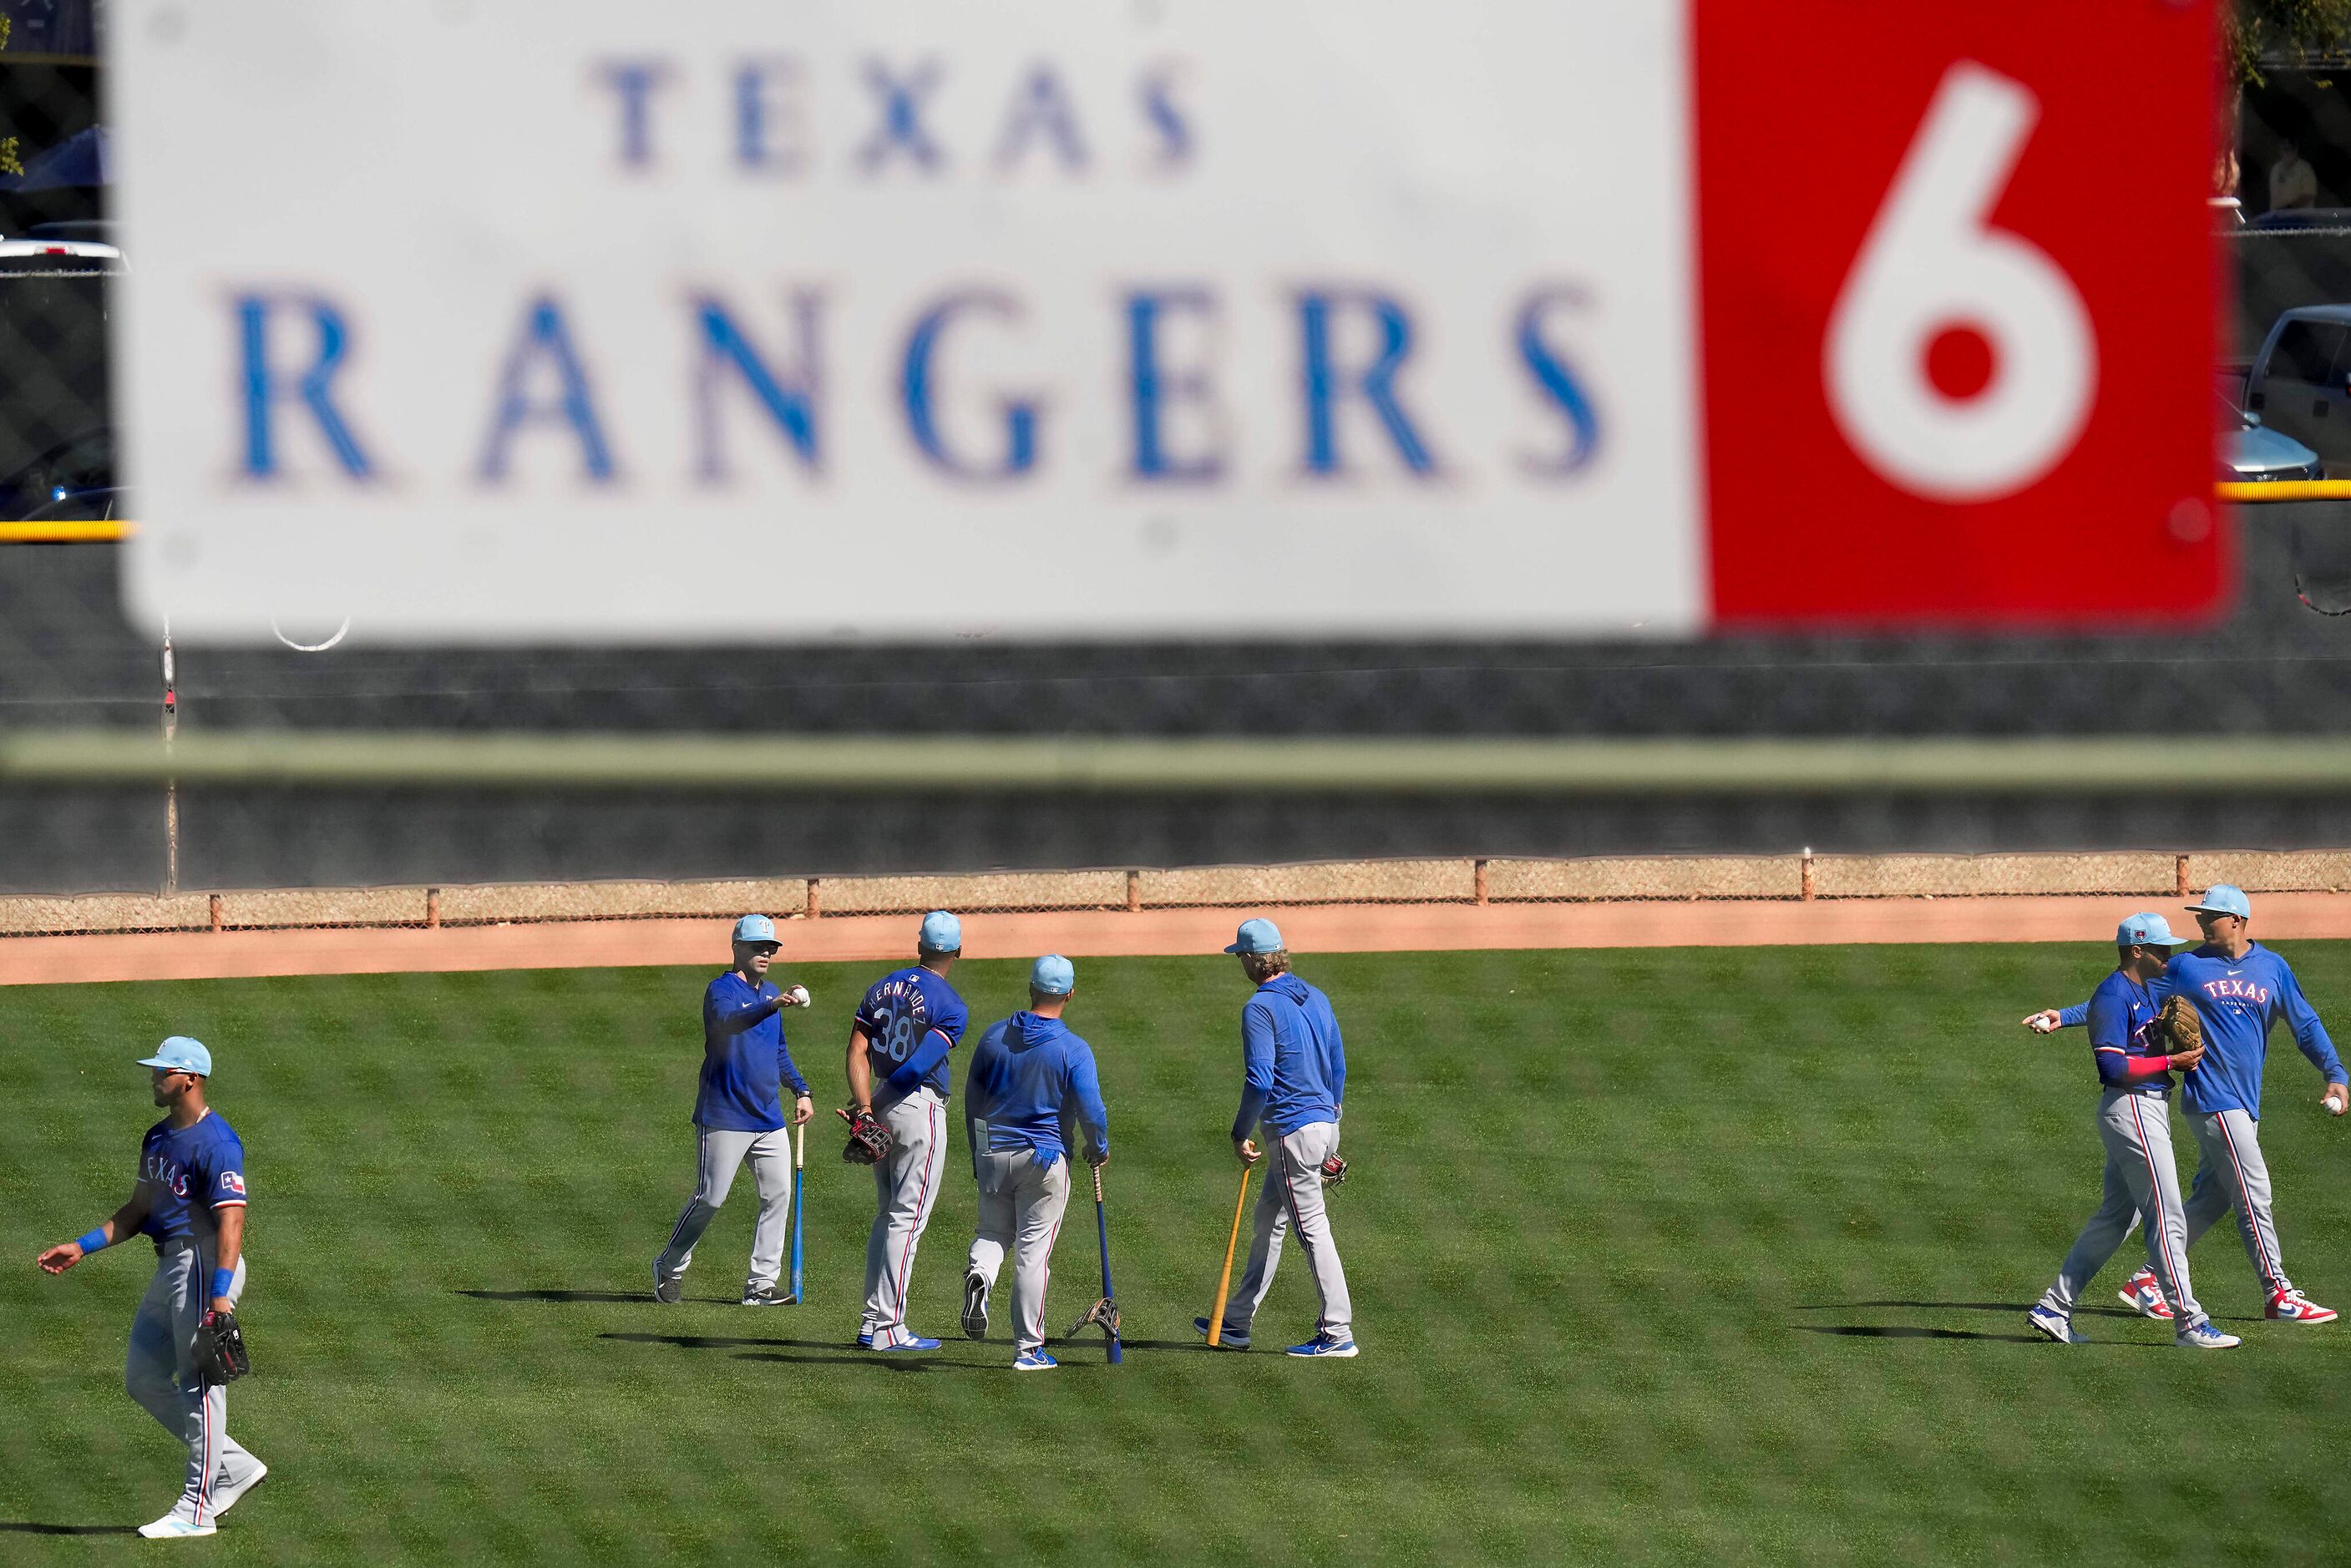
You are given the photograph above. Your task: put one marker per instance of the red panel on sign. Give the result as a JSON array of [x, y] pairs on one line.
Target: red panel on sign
[[1956, 272]]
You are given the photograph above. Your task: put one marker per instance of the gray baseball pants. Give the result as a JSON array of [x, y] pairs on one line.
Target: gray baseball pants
[[1021, 1207], [1290, 1199], [160, 1373], [2140, 1179], [905, 1186], [2231, 1174], [719, 1155]]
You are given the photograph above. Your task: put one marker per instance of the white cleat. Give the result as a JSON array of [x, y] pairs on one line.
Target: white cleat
[[2204, 1336], [174, 1526], [225, 1492]]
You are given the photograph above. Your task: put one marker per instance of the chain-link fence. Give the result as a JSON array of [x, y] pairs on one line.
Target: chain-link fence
[[69, 661]]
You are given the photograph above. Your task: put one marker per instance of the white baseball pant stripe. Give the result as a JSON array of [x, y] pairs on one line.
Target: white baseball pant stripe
[[160, 1373], [1021, 1207], [1293, 1200], [905, 1186], [719, 1155], [2140, 1179], [2231, 1174]]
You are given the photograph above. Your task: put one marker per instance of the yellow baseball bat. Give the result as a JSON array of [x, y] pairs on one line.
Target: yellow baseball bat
[[1224, 1280]]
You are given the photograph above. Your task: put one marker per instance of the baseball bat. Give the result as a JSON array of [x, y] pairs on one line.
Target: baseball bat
[[1224, 1280], [799, 1166], [1101, 1230]]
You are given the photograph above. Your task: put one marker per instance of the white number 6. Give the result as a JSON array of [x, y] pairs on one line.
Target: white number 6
[[1931, 264]]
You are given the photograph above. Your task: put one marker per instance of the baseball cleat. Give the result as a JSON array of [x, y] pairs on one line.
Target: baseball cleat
[[668, 1292], [2144, 1296], [1325, 1344], [174, 1526], [2292, 1306], [864, 1342], [974, 1306], [1228, 1340], [767, 1295], [2055, 1324], [2204, 1336], [1033, 1361], [897, 1338], [226, 1491]]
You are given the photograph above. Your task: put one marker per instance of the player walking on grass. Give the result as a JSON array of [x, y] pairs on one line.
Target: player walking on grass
[[1294, 1068], [738, 1116], [2240, 989], [1029, 1076], [898, 1047], [2135, 1124], [190, 1199]]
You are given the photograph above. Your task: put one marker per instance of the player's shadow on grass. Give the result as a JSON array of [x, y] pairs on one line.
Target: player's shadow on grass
[[2018, 1307], [721, 1342], [557, 1295], [1906, 1331], [26, 1527]]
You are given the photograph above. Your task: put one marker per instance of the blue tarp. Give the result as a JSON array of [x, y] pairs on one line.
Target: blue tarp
[[81, 159]]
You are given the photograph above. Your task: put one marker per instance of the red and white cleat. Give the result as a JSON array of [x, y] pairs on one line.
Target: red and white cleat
[[2145, 1297], [2292, 1306]]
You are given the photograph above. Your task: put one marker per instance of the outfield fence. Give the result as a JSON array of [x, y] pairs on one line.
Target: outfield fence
[[1798, 877]]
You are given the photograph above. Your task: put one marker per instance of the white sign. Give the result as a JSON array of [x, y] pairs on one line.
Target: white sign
[[1039, 319]]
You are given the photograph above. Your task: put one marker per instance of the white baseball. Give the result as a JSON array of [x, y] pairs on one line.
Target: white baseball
[[799, 996], [2334, 1107]]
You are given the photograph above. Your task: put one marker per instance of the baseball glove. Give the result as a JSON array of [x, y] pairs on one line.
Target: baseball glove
[[1335, 1171], [2180, 1025], [1104, 1312], [869, 1141], [220, 1349]]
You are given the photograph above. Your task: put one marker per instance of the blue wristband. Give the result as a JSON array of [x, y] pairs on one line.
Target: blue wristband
[[223, 1280], [95, 1241]]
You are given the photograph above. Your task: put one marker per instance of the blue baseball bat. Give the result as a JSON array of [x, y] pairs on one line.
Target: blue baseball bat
[[800, 1146], [1101, 1230]]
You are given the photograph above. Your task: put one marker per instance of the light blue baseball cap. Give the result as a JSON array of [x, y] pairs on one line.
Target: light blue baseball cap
[[1053, 975], [941, 933], [755, 929], [2148, 931], [1257, 937], [181, 1054], [2220, 899]]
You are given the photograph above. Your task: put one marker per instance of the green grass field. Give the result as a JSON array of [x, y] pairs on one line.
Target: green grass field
[[1681, 1256]]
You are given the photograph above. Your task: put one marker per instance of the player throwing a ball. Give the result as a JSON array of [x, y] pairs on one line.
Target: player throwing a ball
[[909, 1020], [185, 1342], [1029, 1077], [739, 1116], [2134, 1065], [1294, 1075]]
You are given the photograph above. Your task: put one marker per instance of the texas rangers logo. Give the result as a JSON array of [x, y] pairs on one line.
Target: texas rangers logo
[[2246, 989], [230, 1181]]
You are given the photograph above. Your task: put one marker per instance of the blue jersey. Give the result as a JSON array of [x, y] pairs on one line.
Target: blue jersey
[[2238, 1000], [1294, 1064], [911, 1019], [1028, 1075], [743, 1060], [2119, 1014], [189, 1172]]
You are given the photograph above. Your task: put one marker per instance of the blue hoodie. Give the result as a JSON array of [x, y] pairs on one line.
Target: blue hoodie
[[1028, 1075], [1294, 1062]]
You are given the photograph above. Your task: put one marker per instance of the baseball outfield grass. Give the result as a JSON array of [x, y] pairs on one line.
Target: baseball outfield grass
[[1679, 1256]]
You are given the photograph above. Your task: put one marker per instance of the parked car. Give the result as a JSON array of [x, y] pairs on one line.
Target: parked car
[[2300, 383], [25, 253], [2253, 453], [80, 463]]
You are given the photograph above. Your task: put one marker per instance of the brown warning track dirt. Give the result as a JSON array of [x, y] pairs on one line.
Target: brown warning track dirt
[[1330, 927]]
